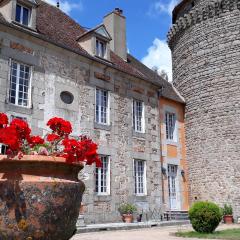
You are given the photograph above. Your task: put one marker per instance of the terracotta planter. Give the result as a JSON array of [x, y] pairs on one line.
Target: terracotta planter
[[228, 219], [40, 198], [127, 218]]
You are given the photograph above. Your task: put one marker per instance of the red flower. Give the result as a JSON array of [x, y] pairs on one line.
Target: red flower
[[60, 126], [9, 137], [3, 120], [52, 137], [82, 150], [22, 128], [35, 140]]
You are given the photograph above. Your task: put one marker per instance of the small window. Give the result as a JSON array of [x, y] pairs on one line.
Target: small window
[[67, 97], [19, 90], [140, 177], [17, 117], [22, 15], [103, 177], [102, 106], [138, 116], [3, 149], [170, 119], [100, 48]]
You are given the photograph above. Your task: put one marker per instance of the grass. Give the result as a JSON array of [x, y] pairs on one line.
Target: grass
[[230, 234]]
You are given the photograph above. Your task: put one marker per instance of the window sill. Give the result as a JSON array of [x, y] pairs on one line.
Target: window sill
[[102, 198], [102, 126], [171, 142], [16, 108], [24, 26], [103, 59], [138, 134], [141, 197]]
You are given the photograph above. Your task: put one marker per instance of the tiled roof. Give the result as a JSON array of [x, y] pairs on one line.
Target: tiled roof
[[167, 91], [57, 27]]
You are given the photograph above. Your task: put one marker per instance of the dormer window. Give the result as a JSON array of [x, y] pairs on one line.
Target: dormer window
[[100, 48], [96, 42], [23, 15]]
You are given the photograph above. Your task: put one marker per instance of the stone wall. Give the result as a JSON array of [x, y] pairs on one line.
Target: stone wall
[[55, 70], [205, 48]]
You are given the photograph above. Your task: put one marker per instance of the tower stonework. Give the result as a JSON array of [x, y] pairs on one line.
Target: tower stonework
[[205, 45]]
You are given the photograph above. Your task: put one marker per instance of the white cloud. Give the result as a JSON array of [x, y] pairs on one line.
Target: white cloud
[[66, 6], [159, 55], [160, 7]]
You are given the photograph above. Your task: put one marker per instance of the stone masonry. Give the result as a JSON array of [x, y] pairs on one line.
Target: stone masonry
[[205, 44], [56, 70]]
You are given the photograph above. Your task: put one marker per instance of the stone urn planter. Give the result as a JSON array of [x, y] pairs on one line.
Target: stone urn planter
[[40, 194], [40, 198]]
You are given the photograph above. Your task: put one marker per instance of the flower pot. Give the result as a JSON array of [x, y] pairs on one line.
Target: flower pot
[[228, 219], [127, 218], [40, 198]]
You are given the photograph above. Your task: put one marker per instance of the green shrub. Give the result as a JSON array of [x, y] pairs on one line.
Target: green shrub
[[127, 208], [227, 209], [205, 216]]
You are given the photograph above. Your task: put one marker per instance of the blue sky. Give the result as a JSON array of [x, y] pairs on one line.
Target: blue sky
[[148, 22]]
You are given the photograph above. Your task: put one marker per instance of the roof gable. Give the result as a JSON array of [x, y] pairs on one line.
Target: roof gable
[[101, 30]]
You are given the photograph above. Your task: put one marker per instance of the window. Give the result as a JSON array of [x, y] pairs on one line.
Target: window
[[100, 48], [102, 106], [140, 177], [103, 177], [17, 117], [3, 149], [138, 116], [19, 91], [22, 15], [170, 119]]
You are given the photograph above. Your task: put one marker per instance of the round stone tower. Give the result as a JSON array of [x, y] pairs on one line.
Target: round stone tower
[[205, 45]]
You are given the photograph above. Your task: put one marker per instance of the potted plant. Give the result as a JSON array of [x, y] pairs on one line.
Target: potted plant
[[227, 214], [40, 191], [126, 210]]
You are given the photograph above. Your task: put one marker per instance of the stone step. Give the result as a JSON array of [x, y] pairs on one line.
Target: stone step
[[176, 215], [128, 226]]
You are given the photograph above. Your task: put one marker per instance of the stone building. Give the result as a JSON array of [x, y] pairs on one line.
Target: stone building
[[205, 44], [51, 66]]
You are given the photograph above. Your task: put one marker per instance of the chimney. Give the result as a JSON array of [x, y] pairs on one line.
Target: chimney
[[115, 24]]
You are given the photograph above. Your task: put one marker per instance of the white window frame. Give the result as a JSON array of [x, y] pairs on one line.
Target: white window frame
[[98, 118], [136, 178], [99, 175], [11, 61], [21, 15], [135, 117], [101, 48], [171, 131]]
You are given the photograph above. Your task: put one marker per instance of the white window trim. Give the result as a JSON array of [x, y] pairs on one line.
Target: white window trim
[[21, 15], [29, 88], [143, 117], [171, 110], [144, 178], [107, 193], [108, 107], [96, 50]]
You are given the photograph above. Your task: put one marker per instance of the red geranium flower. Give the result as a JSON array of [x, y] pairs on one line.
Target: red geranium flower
[[3, 120], [9, 137], [60, 126], [22, 128], [52, 137], [35, 140]]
